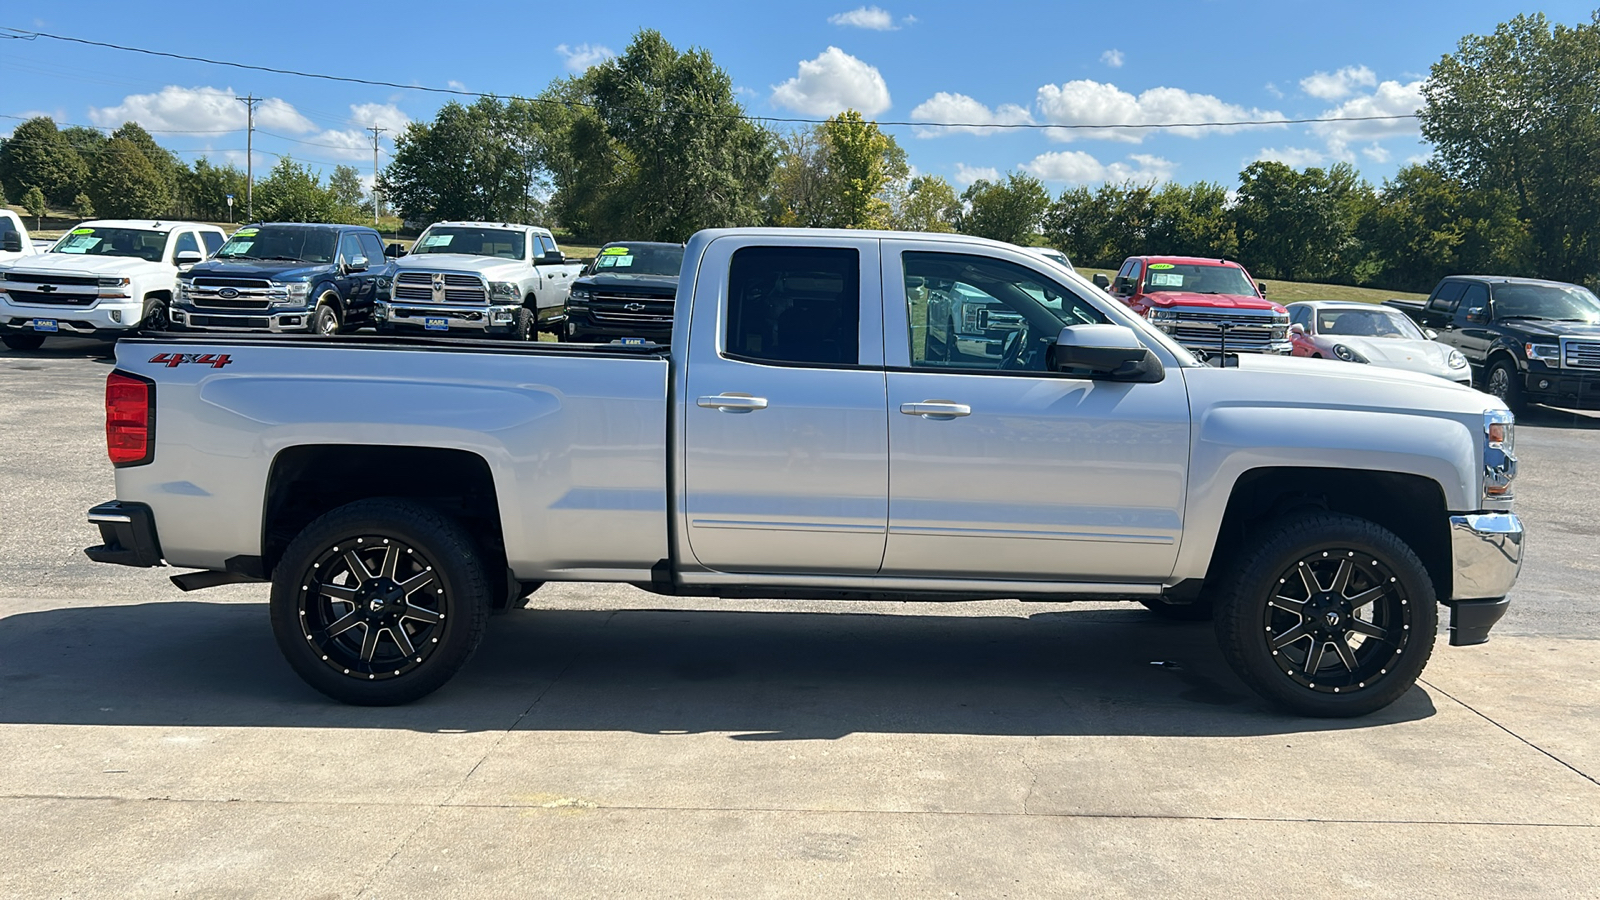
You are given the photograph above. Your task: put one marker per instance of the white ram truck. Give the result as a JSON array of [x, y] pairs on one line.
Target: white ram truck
[[490, 278], [14, 240], [101, 279], [804, 438]]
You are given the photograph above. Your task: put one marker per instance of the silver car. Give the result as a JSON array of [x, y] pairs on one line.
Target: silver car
[[1364, 333]]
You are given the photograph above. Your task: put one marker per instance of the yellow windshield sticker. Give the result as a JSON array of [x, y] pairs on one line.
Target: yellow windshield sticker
[[83, 231], [1161, 265], [615, 251], [245, 232]]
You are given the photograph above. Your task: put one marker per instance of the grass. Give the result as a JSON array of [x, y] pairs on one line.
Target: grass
[[1291, 291]]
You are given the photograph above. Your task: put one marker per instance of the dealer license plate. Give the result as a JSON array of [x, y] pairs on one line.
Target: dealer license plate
[[632, 342], [45, 325], [436, 323]]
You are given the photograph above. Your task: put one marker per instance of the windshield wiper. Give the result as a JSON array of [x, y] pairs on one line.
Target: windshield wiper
[[286, 258]]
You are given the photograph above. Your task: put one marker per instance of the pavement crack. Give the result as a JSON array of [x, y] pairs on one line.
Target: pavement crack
[[1033, 776], [1474, 710]]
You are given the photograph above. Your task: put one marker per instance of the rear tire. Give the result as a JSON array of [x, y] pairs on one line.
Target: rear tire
[[380, 602], [24, 342], [1328, 615]]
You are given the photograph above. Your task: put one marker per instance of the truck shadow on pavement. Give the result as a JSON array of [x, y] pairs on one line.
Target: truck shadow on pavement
[[754, 675]]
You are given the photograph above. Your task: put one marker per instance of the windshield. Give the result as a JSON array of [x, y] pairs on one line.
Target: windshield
[[1197, 279], [310, 245], [501, 242], [623, 259], [134, 242], [1568, 303], [1378, 323]]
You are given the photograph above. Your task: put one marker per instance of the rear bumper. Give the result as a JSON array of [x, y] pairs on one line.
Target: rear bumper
[[1486, 550], [127, 535], [495, 319]]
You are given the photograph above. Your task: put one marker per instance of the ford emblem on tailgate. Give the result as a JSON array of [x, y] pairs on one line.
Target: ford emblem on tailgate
[[228, 293]]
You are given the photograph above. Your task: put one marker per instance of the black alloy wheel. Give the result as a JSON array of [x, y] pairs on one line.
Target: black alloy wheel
[[1330, 615], [379, 602], [23, 341], [1502, 382], [156, 316]]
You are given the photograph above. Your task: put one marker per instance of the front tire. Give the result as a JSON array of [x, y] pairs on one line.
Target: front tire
[[380, 602], [24, 342], [1503, 382], [156, 316], [527, 324], [1329, 615], [326, 319]]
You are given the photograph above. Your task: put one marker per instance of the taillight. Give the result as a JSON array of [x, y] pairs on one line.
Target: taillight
[[130, 419]]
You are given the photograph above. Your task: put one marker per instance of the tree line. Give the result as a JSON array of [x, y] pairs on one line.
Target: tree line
[[127, 175]]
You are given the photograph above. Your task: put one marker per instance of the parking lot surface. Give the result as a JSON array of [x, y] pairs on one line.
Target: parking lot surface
[[607, 742]]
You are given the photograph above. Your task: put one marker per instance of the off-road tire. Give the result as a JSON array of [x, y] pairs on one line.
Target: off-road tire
[[305, 619], [527, 324], [1253, 615]]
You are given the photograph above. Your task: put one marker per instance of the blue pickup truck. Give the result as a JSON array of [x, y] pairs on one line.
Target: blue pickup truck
[[286, 277]]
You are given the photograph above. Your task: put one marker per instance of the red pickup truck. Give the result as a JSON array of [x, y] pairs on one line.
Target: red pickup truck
[[1209, 306]]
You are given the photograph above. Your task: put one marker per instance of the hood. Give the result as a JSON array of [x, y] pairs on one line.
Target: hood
[[1395, 353], [271, 270], [83, 264], [460, 262], [1318, 381], [1543, 328], [1163, 299], [653, 284]]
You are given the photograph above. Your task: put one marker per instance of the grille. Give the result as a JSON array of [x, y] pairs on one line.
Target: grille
[[252, 293], [1580, 354], [1202, 329], [457, 288], [614, 308], [70, 297], [30, 278], [229, 322]]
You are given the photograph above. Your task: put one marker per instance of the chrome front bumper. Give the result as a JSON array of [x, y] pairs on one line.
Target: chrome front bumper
[[498, 317], [277, 320], [1486, 550]]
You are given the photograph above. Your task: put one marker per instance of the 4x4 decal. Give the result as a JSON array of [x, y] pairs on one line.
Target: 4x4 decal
[[173, 360]]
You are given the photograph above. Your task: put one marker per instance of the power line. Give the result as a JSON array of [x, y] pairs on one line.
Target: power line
[[1076, 126]]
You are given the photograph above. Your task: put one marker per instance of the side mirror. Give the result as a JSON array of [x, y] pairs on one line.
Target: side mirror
[[11, 242], [1432, 335], [1112, 352], [394, 251], [1262, 287], [356, 264], [1101, 281], [187, 257], [553, 256], [1477, 315], [1297, 328]]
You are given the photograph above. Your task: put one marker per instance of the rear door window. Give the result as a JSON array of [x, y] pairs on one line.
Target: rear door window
[[1446, 297], [796, 305], [213, 241]]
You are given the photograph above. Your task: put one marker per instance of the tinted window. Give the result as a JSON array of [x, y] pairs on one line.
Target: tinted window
[[349, 246], [186, 241], [1568, 303], [794, 305], [371, 248], [284, 242], [1301, 315], [213, 241], [1444, 300], [639, 259], [1476, 297]]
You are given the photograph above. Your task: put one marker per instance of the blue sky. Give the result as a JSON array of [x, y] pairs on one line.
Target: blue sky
[[983, 63]]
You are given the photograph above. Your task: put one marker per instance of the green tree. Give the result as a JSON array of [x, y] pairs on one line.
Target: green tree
[[293, 193], [471, 162], [33, 201], [1301, 225], [1103, 226], [83, 207], [652, 145], [349, 194], [1192, 220], [165, 163], [206, 188], [1427, 226], [1518, 111], [861, 163], [126, 185], [930, 204], [796, 196], [38, 155], [86, 141], [1011, 210]]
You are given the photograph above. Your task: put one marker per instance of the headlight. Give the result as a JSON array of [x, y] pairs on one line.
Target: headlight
[[1348, 355], [292, 293], [1499, 454], [1456, 360], [1543, 352], [581, 295], [506, 289], [114, 288], [114, 282]]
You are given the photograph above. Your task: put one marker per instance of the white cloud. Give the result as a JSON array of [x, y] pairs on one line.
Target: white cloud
[[1377, 153], [581, 57], [1293, 157], [1112, 58], [384, 115], [976, 117], [1077, 167], [1092, 102], [966, 174], [1338, 85], [455, 85], [176, 108], [832, 83], [351, 144], [1390, 99], [869, 17]]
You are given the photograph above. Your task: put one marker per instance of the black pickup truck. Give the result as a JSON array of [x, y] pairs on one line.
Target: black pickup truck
[[625, 295], [1528, 341]]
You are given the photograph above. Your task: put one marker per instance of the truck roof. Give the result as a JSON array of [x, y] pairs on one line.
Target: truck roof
[[1190, 260], [145, 224], [338, 225], [1507, 279], [533, 228]]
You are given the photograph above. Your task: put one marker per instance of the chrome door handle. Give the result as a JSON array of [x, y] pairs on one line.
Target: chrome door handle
[[936, 409], [741, 403]]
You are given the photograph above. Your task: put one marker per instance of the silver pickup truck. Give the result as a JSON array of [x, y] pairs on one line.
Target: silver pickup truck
[[799, 440]]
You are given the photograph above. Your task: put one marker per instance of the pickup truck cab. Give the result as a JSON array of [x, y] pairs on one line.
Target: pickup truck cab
[[287, 276], [14, 240], [799, 439], [625, 294], [101, 279], [1210, 306], [487, 278], [1527, 340]]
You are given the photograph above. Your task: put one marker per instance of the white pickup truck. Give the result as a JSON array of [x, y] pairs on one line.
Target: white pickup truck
[[102, 279], [14, 240], [490, 278], [804, 438]]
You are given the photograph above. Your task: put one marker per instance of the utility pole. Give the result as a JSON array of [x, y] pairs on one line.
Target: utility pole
[[375, 132], [249, 156]]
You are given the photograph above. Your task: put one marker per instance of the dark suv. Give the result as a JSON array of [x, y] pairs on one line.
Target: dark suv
[[1528, 341], [626, 294], [283, 276]]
